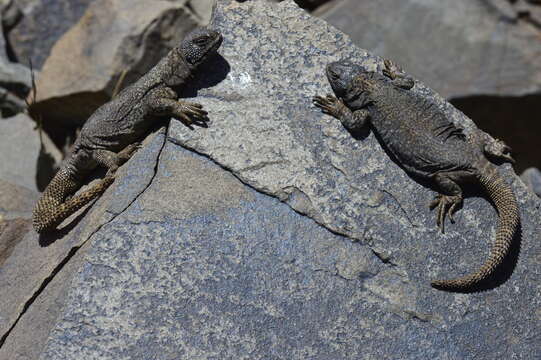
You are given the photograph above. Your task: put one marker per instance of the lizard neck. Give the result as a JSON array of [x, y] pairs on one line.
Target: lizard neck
[[172, 70]]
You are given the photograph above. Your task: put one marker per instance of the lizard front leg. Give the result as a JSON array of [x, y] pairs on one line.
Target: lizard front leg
[[352, 120], [165, 101]]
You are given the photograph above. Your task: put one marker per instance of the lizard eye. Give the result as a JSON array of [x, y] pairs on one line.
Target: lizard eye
[[202, 40]]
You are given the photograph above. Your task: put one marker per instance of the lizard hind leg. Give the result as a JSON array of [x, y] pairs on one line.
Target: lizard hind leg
[[111, 160], [448, 201], [397, 76]]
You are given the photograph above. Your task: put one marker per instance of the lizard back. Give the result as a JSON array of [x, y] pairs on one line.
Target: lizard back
[[417, 132]]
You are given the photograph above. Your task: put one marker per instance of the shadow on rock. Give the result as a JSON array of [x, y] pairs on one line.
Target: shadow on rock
[[211, 74]]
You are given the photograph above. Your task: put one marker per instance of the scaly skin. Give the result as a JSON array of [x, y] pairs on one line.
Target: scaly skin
[[427, 144], [112, 134]]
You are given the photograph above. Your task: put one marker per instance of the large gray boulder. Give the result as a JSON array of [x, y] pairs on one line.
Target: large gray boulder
[[275, 234]]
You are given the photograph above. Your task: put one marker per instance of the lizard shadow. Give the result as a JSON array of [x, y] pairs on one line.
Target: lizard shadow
[[504, 271], [217, 70]]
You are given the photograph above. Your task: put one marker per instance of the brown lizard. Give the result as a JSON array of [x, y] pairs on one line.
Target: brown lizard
[[112, 134]]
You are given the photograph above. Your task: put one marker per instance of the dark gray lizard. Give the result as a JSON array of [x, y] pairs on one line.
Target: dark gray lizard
[[112, 134], [427, 144]]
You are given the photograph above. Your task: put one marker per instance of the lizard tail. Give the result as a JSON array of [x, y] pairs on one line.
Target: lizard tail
[[51, 208], [506, 204]]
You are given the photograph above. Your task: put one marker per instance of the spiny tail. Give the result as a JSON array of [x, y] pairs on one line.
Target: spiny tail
[[506, 204], [51, 208]]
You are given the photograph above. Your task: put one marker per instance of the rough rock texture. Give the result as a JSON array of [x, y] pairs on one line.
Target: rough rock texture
[[532, 179], [42, 25], [33, 295], [199, 265], [15, 200], [24, 161], [112, 37]]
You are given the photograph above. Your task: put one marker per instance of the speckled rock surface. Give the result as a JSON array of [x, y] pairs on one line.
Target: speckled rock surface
[[36, 271], [532, 179], [202, 266]]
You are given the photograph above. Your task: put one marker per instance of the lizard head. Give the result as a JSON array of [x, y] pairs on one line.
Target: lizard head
[[199, 44], [352, 83], [341, 74]]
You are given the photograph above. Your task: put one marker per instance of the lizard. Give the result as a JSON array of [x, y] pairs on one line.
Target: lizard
[[427, 144], [113, 132]]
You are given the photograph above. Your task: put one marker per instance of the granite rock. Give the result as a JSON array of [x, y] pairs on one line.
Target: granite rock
[[532, 179], [275, 234]]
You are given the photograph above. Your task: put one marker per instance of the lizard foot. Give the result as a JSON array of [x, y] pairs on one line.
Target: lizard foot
[[191, 113], [391, 70], [330, 105], [500, 150], [446, 206], [397, 75]]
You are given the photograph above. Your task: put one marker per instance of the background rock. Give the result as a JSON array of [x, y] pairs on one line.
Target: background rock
[[461, 48], [36, 271], [44, 22], [113, 36], [199, 265], [15, 200], [202, 9], [25, 161], [14, 77]]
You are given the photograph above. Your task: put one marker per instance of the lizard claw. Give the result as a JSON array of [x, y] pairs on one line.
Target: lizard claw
[[446, 205], [329, 104], [192, 114]]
